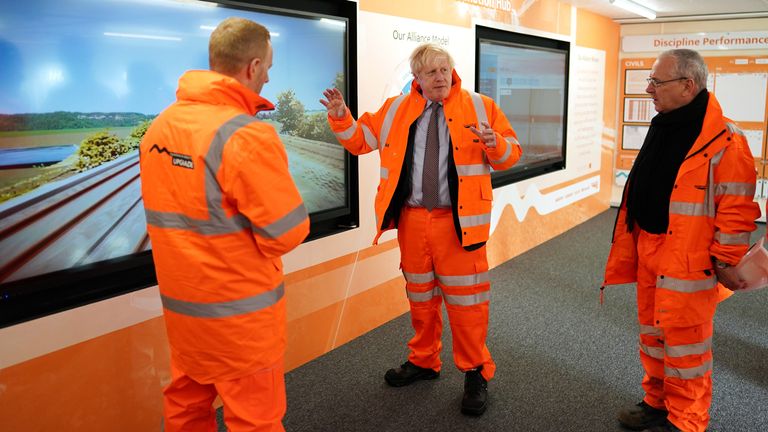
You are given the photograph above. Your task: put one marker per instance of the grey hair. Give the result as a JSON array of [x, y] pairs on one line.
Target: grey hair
[[690, 64]]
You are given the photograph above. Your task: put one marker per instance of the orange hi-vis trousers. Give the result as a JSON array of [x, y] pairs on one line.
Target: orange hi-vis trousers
[[253, 403], [436, 267], [677, 360]]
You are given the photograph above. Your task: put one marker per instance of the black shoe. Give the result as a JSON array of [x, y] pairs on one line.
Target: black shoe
[[409, 373], [475, 397], [667, 426], [642, 416]]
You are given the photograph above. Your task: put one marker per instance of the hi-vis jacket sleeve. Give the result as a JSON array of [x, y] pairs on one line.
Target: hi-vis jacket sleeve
[[735, 209], [507, 151], [362, 135], [259, 183]]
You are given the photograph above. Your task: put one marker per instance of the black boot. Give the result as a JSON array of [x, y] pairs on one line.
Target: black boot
[[667, 426], [642, 416], [475, 397], [409, 373]]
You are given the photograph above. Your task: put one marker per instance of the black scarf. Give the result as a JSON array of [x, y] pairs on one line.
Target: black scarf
[[653, 174]]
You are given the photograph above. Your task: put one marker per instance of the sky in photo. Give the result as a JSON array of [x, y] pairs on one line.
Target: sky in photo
[[127, 55]]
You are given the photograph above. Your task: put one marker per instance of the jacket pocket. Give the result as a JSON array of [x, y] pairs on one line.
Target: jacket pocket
[[486, 190]]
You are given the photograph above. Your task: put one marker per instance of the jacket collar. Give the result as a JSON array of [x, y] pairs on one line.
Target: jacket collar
[[217, 89], [713, 125]]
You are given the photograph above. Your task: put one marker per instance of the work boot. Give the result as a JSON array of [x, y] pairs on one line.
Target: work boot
[[642, 416], [475, 397], [667, 426], [409, 373]]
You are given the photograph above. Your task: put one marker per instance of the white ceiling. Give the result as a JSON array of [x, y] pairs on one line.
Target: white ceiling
[[680, 10]]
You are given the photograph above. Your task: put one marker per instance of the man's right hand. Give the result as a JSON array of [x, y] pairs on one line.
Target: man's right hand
[[730, 279], [334, 103]]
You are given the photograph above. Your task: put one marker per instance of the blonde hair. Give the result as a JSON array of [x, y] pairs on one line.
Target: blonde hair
[[425, 55], [234, 43]]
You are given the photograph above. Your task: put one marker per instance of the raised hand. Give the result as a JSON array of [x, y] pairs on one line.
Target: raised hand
[[485, 133], [334, 103]]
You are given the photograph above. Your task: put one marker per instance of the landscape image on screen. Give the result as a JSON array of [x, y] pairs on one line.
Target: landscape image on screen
[[80, 82], [529, 84]]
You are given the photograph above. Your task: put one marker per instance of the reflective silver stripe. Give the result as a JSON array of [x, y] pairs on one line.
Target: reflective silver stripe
[[419, 278], [732, 128], [200, 226], [734, 188], [389, 118], [684, 285], [477, 101], [370, 138], [688, 373], [471, 170], [476, 220], [512, 140], [650, 330], [732, 239], [690, 349], [347, 133], [284, 224], [468, 300], [505, 156], [426, 296], [464, 281], [384, 172], [688, 208], [224, 309], [716, 158], [655, 352]]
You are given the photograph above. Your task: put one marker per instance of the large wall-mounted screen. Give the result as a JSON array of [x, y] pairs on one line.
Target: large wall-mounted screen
[[528, 77], [80, 81]]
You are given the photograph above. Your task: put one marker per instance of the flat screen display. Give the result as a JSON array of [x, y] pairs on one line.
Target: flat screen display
[[81, 80], [527, 76]]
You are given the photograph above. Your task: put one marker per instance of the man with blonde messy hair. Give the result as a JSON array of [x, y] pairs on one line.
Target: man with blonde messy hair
[[218, 232], [437, 145]]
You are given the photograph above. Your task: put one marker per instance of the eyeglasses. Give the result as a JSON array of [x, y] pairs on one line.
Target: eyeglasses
[[656, 83]]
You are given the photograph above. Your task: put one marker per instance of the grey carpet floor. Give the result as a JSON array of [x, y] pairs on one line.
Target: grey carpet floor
[[565, 363]]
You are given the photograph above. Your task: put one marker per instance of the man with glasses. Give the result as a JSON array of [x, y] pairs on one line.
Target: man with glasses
[[685, 219], [437, 145]]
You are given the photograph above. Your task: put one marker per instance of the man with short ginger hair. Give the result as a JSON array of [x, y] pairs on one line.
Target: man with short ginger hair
[[437, 146], [218, 232]]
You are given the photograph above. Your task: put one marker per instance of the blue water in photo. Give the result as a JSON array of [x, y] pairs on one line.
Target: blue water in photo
[[36, 156]]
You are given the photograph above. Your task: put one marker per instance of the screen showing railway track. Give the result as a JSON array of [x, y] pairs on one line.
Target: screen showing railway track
[[80, 82]]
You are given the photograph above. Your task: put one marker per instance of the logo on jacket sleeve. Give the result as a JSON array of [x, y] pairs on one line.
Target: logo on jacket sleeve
[[177, 159]]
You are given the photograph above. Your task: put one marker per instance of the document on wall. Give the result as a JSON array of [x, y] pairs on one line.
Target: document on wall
[[633, 136], [585, 111], [638, 109], [742, 95]]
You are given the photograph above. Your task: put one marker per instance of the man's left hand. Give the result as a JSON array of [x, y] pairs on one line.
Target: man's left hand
[[485, 133]]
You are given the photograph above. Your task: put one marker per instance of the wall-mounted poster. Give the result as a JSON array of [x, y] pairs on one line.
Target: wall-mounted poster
[[638, 109], [633, 136], [634, 81]]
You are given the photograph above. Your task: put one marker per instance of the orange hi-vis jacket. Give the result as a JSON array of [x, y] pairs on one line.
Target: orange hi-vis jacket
[[470, 161], [711, 214], [221, 210]]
